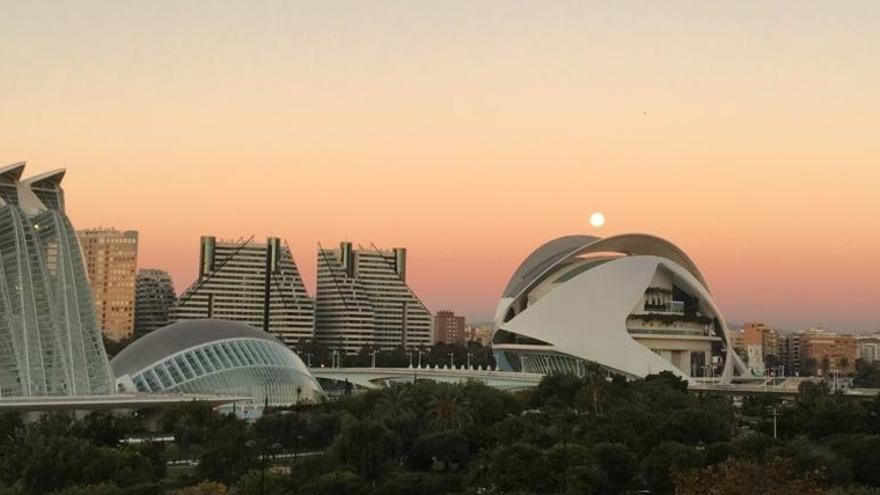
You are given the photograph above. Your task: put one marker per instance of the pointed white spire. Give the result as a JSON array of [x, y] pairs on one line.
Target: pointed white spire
[[42, 192]]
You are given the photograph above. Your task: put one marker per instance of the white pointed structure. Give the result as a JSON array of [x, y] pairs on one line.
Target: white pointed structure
[[634, 304], [49, 340]]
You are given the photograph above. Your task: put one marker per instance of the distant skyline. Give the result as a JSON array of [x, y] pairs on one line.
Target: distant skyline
[[470, 133]]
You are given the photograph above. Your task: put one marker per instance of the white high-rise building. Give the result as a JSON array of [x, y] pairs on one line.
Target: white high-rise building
[[249, 282], [363, 299], [868, 347]]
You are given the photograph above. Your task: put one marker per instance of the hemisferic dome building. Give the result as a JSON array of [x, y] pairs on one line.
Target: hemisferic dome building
[[633, 304], [212, 356]]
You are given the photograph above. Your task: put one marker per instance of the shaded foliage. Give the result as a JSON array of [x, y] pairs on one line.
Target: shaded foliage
[[595, 434]]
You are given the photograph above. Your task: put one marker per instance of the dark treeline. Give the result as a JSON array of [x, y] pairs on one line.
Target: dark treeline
[[571, 435], [867, 374]]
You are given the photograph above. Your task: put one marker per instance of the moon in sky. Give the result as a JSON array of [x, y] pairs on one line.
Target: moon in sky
[[597, 219]]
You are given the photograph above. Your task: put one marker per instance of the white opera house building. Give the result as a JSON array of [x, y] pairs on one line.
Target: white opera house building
[[633, 304]]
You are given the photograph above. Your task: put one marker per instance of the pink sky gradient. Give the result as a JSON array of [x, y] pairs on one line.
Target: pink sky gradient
[[744, 132]]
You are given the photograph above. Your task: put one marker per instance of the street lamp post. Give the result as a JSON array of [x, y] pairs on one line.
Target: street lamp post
[[409, 354], [451, 360], [774, 422], [469, 354], [420, 358], [296, 412]]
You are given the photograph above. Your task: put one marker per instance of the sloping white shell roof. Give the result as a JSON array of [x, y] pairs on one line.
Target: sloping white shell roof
[[546, 256], [586, 316]]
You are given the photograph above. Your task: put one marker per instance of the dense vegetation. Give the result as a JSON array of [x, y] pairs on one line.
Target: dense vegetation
[[867, 374], [569, 435]]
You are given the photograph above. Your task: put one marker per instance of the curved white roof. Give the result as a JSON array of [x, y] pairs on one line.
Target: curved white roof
[[177, 337], [551, 254], [586, 316], [547, 255], [583, 313]]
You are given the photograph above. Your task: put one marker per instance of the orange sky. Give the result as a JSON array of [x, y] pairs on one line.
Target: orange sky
[[471, 132]]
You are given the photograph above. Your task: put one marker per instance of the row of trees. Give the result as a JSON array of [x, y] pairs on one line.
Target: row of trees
[[590, 435], [867, 374], [439, 354]]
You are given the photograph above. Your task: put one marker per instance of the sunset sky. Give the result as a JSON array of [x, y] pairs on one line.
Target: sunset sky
[[746, 132]]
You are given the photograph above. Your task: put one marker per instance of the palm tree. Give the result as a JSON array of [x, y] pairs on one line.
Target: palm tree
[[396, 403], [448, 410]]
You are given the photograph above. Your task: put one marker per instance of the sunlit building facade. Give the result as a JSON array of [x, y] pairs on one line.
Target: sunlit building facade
[[632, 304], [450, 328], [824, 352], [363, 300], [111, 261], [249, 282], [50, 343]]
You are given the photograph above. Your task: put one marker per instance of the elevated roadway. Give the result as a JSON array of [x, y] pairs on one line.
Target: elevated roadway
[[371, 378], [785, 387], [120, 401]]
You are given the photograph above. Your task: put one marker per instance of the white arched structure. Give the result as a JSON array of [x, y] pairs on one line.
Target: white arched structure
[[634, 304], [212, 356], [50, 342]]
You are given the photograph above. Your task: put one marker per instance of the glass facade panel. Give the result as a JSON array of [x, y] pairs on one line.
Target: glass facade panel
[[206, 362], [220, 360], [183, 367], [50, 343], [175, 372], [193, 363], [233, 358], [164, 376], [260, 369]]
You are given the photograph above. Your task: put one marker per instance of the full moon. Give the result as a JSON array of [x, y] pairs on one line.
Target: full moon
[[597, 219]]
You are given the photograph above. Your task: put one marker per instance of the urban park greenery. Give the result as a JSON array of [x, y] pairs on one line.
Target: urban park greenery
[[590, 435]]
